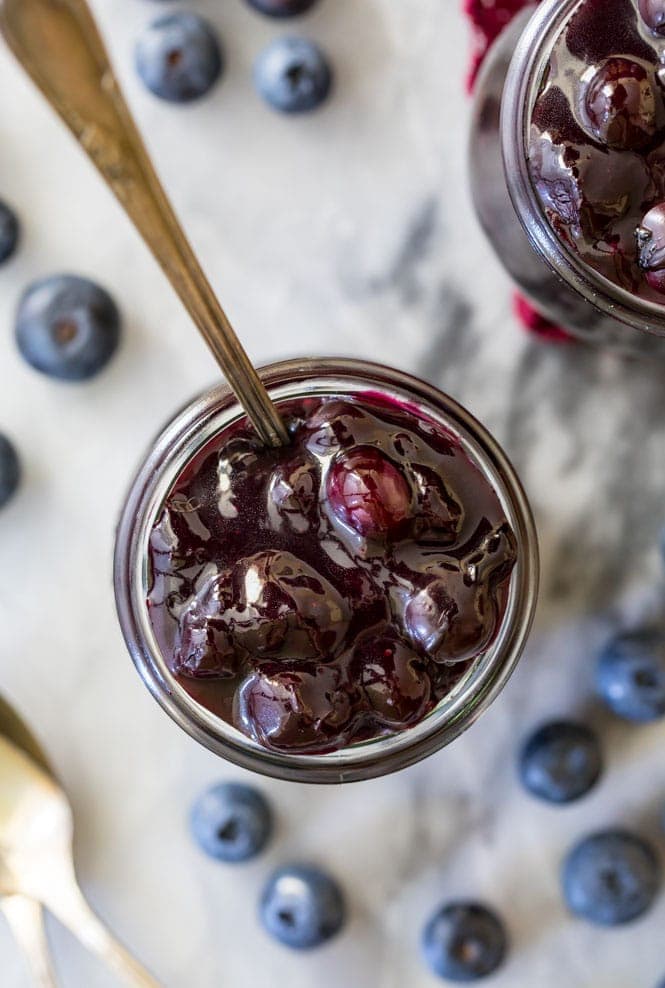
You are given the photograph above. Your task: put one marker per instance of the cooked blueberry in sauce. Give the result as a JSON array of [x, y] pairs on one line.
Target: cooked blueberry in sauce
[[366, 491], [597, 141], [335, 590], [620, 102], [650, 240], [652, 13], [393, 679]]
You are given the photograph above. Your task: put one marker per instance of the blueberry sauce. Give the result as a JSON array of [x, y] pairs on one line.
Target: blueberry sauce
[[597, 141], [333, 591]]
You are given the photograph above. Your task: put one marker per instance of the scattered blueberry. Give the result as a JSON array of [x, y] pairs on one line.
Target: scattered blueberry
[[293, 75], [560, 762], [9, 232], [231, 822], [464, 941], [10, 470], [282, 8], [302, 907], [179, 58], [631, 675], [611, 878], [67, 327]]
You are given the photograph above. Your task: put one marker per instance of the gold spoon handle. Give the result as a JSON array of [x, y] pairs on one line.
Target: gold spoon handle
[[59, 45], [65, 900], [26, 920]]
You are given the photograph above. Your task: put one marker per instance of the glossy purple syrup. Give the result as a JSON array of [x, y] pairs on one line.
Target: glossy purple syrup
[[333, 591], [597, 141]]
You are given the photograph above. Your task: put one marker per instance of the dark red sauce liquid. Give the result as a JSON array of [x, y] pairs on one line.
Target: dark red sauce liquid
[[333, 591]]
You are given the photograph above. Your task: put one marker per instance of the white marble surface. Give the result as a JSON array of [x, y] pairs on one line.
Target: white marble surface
[[349, 233]]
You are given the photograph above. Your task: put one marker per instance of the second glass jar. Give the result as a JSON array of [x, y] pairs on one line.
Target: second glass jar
[[553, 277]]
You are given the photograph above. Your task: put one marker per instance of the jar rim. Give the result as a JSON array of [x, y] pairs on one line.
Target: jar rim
[[195, 425], [526, 71]]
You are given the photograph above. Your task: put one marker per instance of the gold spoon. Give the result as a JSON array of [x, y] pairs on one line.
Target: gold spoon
[[25, 916], [59, 45], [36, 831]]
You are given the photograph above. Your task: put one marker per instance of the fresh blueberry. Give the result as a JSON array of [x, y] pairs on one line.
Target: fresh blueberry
[[282, 8], [9, 232], [611, 878], [67, 327], [302, 907], [10, 470], [179, 58], [231, 822], [560, 762], [631, 675], [464, 941], [293, 75]]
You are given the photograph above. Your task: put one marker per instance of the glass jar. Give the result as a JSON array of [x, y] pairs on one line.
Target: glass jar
[[215, 411], [555, 279]]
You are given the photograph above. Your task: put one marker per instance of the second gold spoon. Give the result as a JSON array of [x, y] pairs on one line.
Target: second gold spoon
[[36, 829], [59, 45], [24, 915]]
